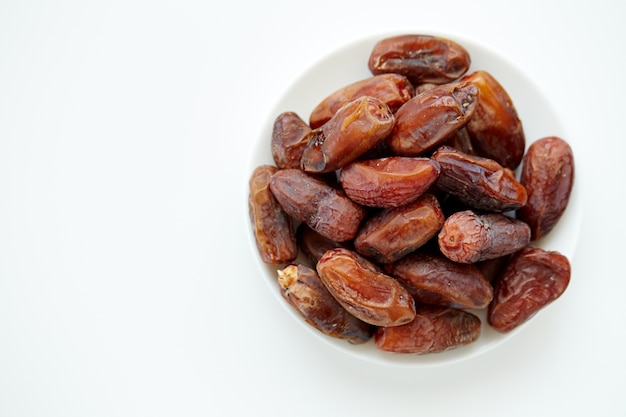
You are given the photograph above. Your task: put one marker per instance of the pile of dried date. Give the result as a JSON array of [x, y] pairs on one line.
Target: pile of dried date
[[396, 211]]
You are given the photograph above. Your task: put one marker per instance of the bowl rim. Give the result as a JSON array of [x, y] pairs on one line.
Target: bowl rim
[[366, 351]]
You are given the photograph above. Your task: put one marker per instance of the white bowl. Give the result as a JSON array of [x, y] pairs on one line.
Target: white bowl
[[347, 64]]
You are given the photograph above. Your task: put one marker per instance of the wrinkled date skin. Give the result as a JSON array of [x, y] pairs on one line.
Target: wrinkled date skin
[[548, 176], [395, 232], [468, 237], [435, 280], [310, 200], [434, 329], [431, 118], [365, 291], [495, 127], [313, 245], [354, 129], [392, 89], [421, 58], [289, 140], [531, 280], [388, 182], [273, 229], [303, 289], [479, 182]]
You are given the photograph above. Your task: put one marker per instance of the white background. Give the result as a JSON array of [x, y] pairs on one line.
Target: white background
[[126, 281]]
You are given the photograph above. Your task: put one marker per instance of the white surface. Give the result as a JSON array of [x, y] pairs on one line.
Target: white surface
[[126, 287]]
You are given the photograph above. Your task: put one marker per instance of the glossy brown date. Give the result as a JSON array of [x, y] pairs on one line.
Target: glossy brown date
[[434, 329], [432, 117], [362, 289], [548, 176], [421, 58], [395, 232], [325, 209], [273, 229], [289, 134], [532, 279], [435, 280], [392, 89], [388, 182], [479, 182], [354, 129], [303, 289], [495, 128], [468, 237]]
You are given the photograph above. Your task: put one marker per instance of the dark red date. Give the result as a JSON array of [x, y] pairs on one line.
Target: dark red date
[[325, 209], [479, 182], [273, 229], [388, 182], [532, 279], [495, 128], [392, 89], [548, 176], [365, 291], [357, 127], [468, 237], [395, 232], [435, 280], [434, 329], [289, 138], [303, 289], [421, 58], [431, 118]]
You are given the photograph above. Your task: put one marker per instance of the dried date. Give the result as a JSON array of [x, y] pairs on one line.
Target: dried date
[[325, 209], [289, 138], [479, 182], [303, 289], [532, 279], [392, 89], [273, 229], [364, 290], [357, 127], [495, 128], [468, 237], [434, 329], [435, 280], [431, 118], [388, 182], [548, 176], [421, 58], [395, 232]]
